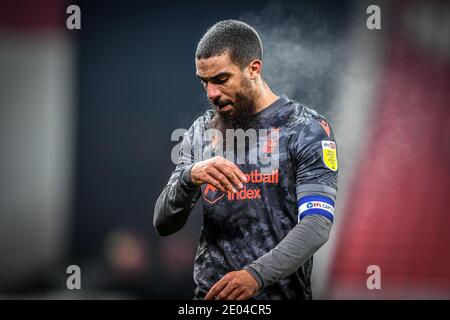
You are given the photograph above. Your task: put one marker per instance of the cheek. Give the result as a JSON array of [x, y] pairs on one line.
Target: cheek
[[233, 91], [226, 93], [242, 93]]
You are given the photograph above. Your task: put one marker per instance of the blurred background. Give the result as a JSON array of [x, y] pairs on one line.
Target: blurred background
[[86, 118]]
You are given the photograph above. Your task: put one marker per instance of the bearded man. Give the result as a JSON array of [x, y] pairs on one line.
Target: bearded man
[[261, 226]]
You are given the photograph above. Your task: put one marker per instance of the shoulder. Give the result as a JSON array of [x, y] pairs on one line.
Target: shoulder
[[307, 124], [203, 121], [200, 124]]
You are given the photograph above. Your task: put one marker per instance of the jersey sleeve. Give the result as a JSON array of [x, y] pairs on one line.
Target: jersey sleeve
[[180, 195], [314, 150]]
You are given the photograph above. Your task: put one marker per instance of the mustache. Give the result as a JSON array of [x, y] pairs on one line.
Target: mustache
[[221, 103]]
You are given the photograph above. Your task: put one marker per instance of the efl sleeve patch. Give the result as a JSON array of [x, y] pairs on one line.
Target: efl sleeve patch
[[315, 204], [329, 154]]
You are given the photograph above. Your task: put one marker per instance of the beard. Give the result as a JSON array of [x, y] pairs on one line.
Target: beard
[[242, 114]]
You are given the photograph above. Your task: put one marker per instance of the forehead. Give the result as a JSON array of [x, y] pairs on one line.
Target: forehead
[[209, 67]]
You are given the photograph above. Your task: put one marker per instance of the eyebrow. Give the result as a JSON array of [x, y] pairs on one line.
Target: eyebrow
[[215, 77]]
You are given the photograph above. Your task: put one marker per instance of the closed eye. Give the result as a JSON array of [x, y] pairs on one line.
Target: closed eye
[[220, 80]]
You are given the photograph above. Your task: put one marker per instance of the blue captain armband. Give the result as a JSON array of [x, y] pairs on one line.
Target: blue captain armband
[[315, 204]]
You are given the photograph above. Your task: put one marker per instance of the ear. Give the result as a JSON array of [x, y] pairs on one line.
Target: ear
[[255, 68]]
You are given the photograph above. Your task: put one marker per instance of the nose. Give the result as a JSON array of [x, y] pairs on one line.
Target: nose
[[212, 91]]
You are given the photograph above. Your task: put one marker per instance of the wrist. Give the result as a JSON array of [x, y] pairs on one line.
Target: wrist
[[186, 178], [256, 276]]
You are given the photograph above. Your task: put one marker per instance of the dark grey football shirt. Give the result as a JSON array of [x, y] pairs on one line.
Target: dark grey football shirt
[[241, 230]]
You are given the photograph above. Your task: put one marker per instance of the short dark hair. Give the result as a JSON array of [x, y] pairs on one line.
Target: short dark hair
[[240, 40]]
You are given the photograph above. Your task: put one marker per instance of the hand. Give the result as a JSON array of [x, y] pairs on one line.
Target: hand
[[236, 285], [218, 172]]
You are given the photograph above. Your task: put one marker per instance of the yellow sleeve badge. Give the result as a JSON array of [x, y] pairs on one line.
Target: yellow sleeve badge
[[329, 154]]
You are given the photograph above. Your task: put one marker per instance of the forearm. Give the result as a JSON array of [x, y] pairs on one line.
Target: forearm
[[292, 252], [175, 203]]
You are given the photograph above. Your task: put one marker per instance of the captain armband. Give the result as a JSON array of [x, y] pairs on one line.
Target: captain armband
[[315, 204]]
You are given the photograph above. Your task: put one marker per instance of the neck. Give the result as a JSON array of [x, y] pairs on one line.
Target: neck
[[265, 97]]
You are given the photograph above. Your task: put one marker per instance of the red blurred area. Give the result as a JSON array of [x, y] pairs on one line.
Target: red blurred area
[[398, 214], [28, 15]]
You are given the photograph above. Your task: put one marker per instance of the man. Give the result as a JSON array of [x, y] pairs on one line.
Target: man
[[261, 226]]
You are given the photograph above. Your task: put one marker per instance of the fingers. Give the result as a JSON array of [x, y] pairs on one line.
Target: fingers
[[222, 179], [216, 289], [230, 291], [235, 293], [225, 292], [231, 171], [214, 182], [231, 287], [220, 173], [243, 296], [239, 174], [230, 176]]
